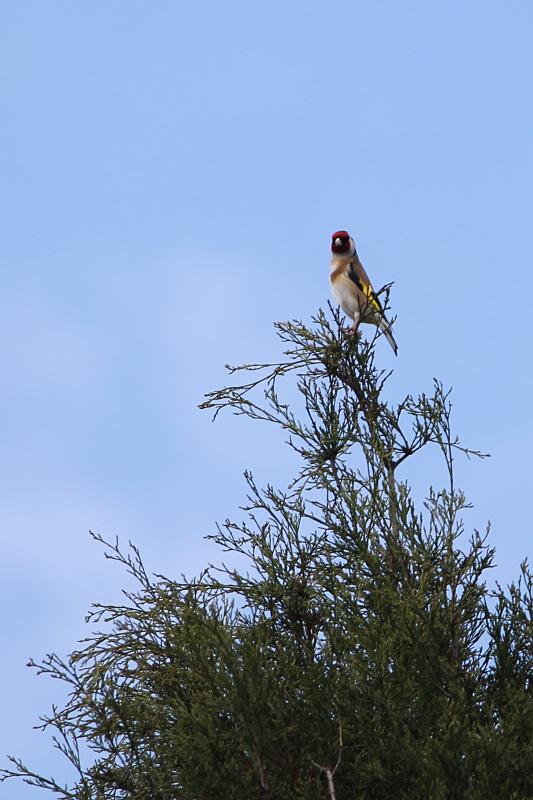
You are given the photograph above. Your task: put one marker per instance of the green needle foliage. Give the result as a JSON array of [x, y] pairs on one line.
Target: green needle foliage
[[357, 651]]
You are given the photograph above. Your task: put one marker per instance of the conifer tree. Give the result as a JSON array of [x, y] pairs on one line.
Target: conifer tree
[[360, 652]]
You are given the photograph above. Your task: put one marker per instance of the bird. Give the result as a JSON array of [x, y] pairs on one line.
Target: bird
[[352, 289]]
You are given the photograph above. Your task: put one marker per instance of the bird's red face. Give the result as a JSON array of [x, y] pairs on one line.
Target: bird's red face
[[340, 242]]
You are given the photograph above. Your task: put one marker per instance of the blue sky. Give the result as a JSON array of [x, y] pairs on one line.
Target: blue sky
[[171, 175]]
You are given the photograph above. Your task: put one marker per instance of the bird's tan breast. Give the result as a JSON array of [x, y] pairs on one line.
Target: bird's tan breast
[[337, 273], [345, 293]]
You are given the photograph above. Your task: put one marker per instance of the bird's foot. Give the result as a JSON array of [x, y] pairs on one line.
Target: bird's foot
[[353, 330]]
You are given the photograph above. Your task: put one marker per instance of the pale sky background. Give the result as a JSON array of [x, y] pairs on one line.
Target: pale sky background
[[170, 176]]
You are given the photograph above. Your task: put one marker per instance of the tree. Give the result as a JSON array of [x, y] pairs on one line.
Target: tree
[[360, 652]]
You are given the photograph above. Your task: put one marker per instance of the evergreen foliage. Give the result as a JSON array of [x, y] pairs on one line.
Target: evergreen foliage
[[358, 653]]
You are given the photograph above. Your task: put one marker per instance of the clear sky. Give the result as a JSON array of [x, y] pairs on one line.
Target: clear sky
[[171, 173]]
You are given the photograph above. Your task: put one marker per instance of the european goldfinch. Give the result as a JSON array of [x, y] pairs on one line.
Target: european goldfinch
[[352, 289]]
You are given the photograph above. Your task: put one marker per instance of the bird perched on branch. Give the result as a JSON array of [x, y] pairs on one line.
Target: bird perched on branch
[[352, 289]]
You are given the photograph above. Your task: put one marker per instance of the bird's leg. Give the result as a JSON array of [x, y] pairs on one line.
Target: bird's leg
[[353, 330]]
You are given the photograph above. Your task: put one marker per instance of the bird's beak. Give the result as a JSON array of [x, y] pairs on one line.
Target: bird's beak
[[338, 242]]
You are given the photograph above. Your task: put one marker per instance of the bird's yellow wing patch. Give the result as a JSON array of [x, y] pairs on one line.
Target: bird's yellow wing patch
[[370, 294], [366, 289]]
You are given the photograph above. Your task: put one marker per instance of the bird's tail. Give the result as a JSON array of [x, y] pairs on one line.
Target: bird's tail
[[385, 326]]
